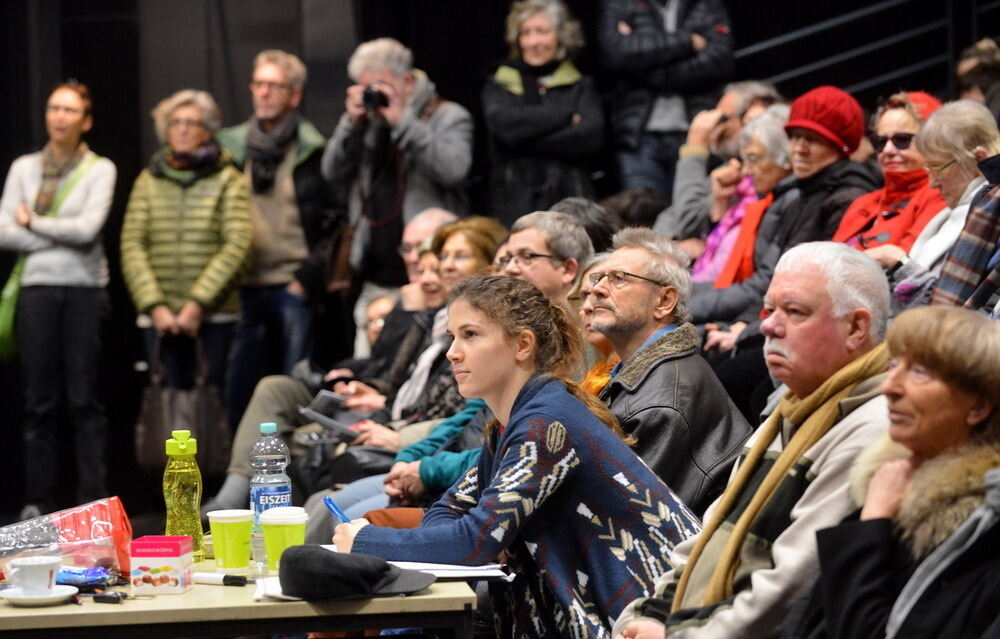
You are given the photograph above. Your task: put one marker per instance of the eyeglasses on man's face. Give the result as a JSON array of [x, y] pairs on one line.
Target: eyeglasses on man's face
[[619, 279], [899, 140], [257, 85], [524, 259]]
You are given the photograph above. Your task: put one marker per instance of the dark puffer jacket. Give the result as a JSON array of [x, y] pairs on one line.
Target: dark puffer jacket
[[540, 151], [650, 62], [686, 428]]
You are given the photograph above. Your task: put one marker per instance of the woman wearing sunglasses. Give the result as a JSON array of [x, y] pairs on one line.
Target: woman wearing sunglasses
[[948, 142], [896, 213]]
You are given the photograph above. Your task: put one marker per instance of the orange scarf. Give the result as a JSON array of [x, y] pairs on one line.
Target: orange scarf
[[740, 265], [599, 375]]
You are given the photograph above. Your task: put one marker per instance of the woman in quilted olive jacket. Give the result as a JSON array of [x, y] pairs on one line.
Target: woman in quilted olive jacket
[[185, 239]]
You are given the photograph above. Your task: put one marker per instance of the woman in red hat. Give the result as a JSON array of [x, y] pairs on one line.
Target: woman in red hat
[[896, 213]]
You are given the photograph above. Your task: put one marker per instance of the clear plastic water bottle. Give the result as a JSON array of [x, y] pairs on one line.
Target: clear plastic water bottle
[[182, 490], [270, 487]]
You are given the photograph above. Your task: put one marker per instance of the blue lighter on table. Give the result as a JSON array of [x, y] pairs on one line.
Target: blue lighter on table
[[335, 509]]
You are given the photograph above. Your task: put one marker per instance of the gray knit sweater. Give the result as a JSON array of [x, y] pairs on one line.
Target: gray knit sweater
[[66, 249]]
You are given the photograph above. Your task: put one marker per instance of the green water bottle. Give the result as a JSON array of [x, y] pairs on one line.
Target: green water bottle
[[182, 490]]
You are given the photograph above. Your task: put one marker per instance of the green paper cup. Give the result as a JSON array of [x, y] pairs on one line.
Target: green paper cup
[[231, 540], [283, 527]]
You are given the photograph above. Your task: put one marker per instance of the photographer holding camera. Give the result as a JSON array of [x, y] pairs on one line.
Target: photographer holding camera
[[399, 149]]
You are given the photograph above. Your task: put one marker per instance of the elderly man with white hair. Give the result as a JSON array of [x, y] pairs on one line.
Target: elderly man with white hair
[[399, 149], [827, 307]]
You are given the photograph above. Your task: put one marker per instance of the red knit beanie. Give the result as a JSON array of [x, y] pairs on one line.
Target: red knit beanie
[[833, 114]]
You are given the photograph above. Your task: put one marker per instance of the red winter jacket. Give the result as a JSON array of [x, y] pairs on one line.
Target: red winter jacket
[[894, 214]]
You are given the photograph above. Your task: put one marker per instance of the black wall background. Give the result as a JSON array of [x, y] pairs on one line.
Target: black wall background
[[132, 53]]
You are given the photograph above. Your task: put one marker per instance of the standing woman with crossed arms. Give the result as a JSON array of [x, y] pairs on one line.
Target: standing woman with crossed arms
[[54, 205]]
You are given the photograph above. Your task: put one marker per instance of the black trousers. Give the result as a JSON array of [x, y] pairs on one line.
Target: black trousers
[[59, 337]]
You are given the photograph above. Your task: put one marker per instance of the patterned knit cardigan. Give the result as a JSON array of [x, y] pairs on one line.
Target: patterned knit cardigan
[[585, 525], [181, 244]]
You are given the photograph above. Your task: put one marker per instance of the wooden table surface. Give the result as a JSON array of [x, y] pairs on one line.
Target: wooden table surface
[[213, 610]]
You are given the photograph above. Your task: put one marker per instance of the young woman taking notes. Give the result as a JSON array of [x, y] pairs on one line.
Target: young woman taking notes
[[583, 524]]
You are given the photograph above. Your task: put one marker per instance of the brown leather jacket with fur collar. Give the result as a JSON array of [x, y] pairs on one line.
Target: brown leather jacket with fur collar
[[686, 427]]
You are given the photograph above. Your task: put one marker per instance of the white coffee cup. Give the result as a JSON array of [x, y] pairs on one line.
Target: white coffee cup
[[35, 576]]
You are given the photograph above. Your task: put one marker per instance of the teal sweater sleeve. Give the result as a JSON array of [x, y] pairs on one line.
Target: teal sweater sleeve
[[444, 469], [441, 434]]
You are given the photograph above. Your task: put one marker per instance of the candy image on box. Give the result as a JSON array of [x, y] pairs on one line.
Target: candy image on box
[[161, 564]]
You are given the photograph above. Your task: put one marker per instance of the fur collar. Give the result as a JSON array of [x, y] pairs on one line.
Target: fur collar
[[677, 342], [942, 494]]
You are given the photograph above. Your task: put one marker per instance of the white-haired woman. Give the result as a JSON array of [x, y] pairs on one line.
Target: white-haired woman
[[544, 118], [185, 238], [948, 142], [54, 205]]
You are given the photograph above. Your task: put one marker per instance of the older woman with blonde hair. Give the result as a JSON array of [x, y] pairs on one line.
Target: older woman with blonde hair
[[948, 142], [543, 116], [916, 487], [185, 238]]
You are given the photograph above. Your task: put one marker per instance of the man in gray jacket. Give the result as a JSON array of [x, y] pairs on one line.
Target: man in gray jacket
[[398, 149], [663, 392]]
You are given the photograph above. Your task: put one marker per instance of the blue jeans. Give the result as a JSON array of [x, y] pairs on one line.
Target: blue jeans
[[652, 165], [271, 337]]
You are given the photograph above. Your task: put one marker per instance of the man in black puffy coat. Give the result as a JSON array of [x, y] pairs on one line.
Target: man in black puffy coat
[[670, 59]]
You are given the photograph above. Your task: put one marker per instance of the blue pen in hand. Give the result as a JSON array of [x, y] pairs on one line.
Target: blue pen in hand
[[335, 509]]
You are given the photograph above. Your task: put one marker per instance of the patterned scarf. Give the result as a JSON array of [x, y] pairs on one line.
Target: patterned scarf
[[187, 168], [266, 150], [53, 172], [970, 274], [813, 416]]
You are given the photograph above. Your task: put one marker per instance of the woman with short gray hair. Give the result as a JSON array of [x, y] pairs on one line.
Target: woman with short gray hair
[[765, 162], [544, 118], [185, 238], [947, 141]]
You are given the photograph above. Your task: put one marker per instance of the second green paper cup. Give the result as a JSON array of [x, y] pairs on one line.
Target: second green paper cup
[[283, 527]]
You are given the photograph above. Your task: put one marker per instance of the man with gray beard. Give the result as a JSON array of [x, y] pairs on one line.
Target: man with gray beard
[[827, 307], [663, 392]]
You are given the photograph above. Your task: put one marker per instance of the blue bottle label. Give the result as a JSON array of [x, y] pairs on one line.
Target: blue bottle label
[[264, 497]]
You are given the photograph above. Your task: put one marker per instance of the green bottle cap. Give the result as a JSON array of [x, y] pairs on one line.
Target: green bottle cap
[[268, 427], [181, 443]]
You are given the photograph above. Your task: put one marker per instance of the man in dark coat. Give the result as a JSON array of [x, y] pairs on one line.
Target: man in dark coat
[[669, 59], [663, 393]]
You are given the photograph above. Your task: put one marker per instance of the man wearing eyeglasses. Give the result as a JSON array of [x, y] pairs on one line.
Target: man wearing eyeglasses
[[663, 393], [291, 206], [546, 248]]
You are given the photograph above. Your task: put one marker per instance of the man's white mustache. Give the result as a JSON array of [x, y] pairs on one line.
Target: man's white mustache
[[771, 346]]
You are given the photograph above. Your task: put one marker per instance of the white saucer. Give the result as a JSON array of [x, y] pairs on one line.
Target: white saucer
[[59, 594]]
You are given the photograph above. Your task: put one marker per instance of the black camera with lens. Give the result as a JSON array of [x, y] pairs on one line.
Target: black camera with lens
[[374, 99]]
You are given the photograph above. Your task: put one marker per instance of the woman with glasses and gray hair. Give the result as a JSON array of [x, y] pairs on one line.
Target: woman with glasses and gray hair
[[544, 117], [185, 239], [953, 140]]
